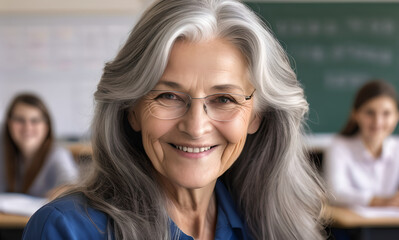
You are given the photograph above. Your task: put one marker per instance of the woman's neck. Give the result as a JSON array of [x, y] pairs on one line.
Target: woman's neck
[[28, 155], [374, 146], [194, 211]]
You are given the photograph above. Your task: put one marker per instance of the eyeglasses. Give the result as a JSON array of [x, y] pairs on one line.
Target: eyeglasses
[[169, 105], [22, 121]]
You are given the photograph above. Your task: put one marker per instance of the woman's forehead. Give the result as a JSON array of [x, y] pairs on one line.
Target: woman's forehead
[[215, 64], [26, 109]]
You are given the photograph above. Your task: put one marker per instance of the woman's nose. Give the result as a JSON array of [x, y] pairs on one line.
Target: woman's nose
[[28, 124], [196, 122], [379, 119]]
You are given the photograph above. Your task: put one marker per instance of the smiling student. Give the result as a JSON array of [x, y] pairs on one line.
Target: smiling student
[[30, 161], [362, 163], [197, 134]]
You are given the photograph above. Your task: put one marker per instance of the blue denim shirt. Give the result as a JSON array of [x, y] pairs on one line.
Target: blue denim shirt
[[70, 217]]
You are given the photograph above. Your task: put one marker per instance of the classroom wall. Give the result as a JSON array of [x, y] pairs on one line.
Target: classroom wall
[[59, 58], [57, 49], [87, 6]]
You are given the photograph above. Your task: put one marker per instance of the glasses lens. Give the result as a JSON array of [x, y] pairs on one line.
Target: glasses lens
[[224, 107], [168, 105]]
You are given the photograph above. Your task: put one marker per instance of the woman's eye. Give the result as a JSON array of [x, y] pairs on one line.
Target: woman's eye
[[369, 113], [386, 113], [225, 99], [168, 96]]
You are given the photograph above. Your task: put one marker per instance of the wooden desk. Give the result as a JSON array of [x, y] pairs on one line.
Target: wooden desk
[[82, 152], [347, 224], [12, 221], [345, 218], [12, 226]]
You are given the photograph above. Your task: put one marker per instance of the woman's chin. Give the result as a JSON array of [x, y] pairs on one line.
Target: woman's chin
[[192, 181]]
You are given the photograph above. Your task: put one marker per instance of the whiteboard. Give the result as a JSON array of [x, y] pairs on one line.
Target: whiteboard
[[60, 58]]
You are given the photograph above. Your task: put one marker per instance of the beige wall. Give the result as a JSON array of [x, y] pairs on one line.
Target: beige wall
[[107, 6], [57, 50]]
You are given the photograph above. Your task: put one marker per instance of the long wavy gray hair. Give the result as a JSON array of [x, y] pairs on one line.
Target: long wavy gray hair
[[276, 189]]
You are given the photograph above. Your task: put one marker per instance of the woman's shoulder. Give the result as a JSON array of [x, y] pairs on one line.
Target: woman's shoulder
[[70, 204], [349, 142], [342, 147], [68, 217], [392, 144], [394, 139], [58, 151], [60, 157]]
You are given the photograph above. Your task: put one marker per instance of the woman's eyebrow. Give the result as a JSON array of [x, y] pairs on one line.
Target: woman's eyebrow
[[217, 88], [170, 84], [227, 88]]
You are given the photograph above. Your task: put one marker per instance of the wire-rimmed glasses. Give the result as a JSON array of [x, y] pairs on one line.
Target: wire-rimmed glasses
[[167, 105]]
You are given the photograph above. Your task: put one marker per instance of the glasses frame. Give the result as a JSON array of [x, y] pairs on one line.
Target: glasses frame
[[188, 104], [24, 121]]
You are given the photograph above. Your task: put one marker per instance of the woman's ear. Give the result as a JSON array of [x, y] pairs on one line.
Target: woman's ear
[[254, 124], [134, 122]]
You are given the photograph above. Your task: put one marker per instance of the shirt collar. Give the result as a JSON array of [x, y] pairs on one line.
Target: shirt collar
[[387, 150]]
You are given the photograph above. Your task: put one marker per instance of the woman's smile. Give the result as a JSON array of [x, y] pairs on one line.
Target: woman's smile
[[190, 151]]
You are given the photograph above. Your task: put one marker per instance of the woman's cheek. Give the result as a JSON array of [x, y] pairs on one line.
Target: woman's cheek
[[235, 132], [152, 133]]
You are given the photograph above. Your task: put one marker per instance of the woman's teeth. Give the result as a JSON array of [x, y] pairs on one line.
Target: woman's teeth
[[193, 150]]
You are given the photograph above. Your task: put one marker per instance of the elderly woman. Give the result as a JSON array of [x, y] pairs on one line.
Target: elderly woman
[[197, 135]]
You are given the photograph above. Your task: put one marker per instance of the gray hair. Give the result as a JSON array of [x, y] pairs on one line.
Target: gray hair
[[276, 189]]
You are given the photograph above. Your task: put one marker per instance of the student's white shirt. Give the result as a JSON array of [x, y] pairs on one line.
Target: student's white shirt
[[354, 176]]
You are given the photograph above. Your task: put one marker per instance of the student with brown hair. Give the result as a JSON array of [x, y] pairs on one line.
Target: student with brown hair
[[362, 164], [30, 161]]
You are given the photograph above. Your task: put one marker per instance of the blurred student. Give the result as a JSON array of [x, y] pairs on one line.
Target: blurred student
[[30, 161], [362, 164]]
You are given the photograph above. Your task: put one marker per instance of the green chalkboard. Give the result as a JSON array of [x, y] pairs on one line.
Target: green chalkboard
[[335, 48]]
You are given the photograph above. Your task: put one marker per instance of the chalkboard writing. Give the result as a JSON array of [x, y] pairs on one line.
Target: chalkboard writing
[[335, 48]]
